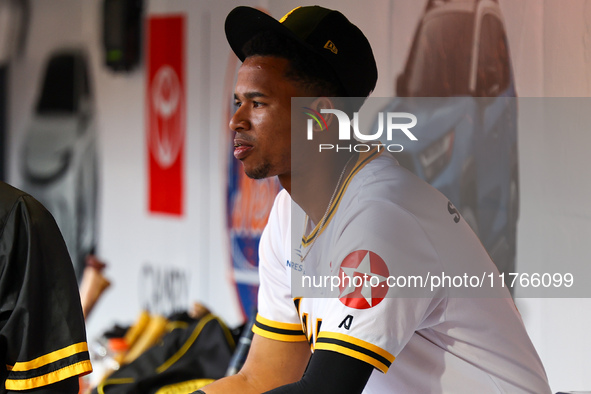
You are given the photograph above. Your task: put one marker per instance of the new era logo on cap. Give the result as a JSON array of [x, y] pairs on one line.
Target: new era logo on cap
[[331, 47]]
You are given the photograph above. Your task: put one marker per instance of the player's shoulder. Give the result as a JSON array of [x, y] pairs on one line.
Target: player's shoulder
[[13, 200], [280, 215], [283, 198], [282, 204], [10, 196], [383, 179], [390, 193]]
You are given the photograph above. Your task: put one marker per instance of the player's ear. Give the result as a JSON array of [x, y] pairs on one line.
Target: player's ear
[[321, 103]]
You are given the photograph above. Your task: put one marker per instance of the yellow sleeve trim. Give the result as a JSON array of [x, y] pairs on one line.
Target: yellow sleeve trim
[[81, 368], [356, 348], [275, 324], [50, 357], [279, 337], [352, 353], [369, 346], [285, 332]]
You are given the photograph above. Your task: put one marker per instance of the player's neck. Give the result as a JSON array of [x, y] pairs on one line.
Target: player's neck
[[285, 182], [314, 188]]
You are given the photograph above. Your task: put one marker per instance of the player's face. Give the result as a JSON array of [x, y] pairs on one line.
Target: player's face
[[262, 122]]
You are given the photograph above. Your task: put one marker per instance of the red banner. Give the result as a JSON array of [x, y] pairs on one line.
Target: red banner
[[166, 113]]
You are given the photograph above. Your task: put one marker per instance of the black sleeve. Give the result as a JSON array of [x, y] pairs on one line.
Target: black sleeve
[[330, 373], [42, 332]]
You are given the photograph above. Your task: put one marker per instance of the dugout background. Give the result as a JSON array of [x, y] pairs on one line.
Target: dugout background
[[168, 261]]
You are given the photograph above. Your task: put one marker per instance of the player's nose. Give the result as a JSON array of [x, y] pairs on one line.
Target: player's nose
[[239, 121]]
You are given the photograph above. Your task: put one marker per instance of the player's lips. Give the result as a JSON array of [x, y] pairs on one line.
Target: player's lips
[[241, 148]]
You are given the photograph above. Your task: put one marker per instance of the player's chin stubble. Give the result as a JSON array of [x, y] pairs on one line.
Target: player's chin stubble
[[259, 172]]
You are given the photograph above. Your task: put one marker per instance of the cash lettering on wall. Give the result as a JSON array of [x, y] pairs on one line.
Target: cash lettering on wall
[[162, 289]]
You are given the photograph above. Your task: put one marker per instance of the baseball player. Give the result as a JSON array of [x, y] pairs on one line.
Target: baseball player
[[42, 335], [359, 217]]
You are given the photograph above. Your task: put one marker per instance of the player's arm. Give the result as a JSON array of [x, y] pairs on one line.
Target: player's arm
[[330, 373], [270, 363]]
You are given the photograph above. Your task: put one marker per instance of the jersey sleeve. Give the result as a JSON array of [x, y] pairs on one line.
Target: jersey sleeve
[[374, 321], [42, 332], [277, 317]]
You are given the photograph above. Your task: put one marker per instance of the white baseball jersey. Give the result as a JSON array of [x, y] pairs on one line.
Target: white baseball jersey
[[386, 223]]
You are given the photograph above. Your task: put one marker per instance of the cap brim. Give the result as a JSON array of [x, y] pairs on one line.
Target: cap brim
[[243, 23]]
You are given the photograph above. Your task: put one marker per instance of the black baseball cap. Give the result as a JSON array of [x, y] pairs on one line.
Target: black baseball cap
[[325, 32]]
